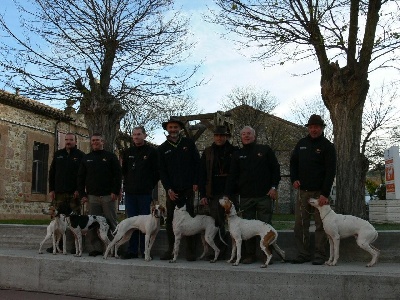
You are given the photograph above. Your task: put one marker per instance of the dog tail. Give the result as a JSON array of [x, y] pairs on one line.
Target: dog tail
[[116, 230], [279, 251], [220, 236]]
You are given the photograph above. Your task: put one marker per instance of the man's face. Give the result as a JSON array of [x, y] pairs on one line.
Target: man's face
[[97, 143], [247, 136], [138, 137], [70, 141], [315, 130], [220, 139], [173, 129]]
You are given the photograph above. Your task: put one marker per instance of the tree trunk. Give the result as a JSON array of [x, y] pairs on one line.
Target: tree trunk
[[344, 93], [102, 111]]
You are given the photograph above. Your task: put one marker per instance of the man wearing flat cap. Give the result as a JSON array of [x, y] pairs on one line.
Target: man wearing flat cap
[[214, 168], [312, 171], [178, 164]]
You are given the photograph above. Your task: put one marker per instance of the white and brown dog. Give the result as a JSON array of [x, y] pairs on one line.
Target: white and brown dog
[[56, 229], [339, 226], [81, 224], [242, 229], [184, 224], [148, 224]]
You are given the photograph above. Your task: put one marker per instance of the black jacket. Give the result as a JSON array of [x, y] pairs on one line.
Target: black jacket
[[254, 170], [140, 169], [99, 174], [64, 171], [215, 163], [178, 164], [313, 163]]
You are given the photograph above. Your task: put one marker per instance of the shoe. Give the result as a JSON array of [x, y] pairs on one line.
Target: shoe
[[190, 257], [300, 260], [167, 255], [318, 261], [50, 250], [95, 253], [129, 255], [248, 260]]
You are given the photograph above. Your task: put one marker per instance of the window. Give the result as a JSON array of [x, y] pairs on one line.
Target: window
[[40, 168]]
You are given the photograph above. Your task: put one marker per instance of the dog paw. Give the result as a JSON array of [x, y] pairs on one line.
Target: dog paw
[[213, 260], [263, 266], [172, 261], [235, 264]]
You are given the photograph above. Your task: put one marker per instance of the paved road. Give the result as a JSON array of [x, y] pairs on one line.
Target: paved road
[[22, 295]]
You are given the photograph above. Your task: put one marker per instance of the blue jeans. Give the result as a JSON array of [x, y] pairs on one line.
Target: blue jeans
[[137, 205]]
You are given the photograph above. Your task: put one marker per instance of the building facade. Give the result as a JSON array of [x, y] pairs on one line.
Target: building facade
[[30, 132]]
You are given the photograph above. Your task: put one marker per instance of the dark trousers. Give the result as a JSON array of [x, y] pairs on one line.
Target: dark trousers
[[137, 205], [259, 208], [303, 212]]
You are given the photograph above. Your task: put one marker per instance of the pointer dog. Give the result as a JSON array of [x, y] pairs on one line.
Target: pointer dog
[[339, 226], [184, 224], [56, 229], [148, 224], [81, 224], [241, 229]]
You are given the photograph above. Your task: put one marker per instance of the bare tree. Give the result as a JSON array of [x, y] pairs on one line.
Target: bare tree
[[347, 42], [109, 55], [248, 106], [301, 112]]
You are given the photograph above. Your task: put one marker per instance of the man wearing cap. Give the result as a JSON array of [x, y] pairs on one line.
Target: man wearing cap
[[255, 175], [312, 171], [178, 166], [214, 168]]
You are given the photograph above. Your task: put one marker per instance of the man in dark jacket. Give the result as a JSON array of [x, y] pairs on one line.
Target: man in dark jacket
[[214, 169], [312, 171], [140, 173], [63, 176], [99, 183], [255, 172], [178, 164]]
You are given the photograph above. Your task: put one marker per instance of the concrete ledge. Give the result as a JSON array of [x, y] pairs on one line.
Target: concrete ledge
[[94, 277]]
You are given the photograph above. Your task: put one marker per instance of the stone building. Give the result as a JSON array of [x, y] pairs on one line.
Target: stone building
[[30, 132]]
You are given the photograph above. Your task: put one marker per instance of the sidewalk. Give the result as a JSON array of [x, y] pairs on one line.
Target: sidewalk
[[95, 277]]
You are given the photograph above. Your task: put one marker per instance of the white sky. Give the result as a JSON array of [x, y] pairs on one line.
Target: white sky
[[226, 68]]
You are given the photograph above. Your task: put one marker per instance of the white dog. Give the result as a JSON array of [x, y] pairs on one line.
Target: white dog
[[56, 230], [148, 224], [184, 224], [242, 229], [339, 226]]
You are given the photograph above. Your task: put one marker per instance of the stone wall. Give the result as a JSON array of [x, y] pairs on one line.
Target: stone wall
[[19, 130]]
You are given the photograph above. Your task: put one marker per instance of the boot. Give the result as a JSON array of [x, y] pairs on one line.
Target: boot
[[168, 255], [190, 248]]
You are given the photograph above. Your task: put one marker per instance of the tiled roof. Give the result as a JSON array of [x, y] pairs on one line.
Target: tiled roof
[[33, 106]]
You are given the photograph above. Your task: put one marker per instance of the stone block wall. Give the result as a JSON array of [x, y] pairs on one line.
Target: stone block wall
[[19, 130]]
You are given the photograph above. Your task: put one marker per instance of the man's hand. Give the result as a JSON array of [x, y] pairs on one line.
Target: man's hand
[[84, 200], [114, 197], [203, 201], [76, 195], [195, 187], [52, 195], [296, 184], [172, 195], [273, 193]]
